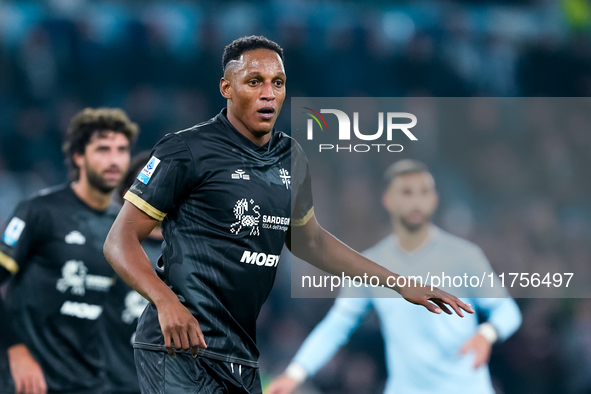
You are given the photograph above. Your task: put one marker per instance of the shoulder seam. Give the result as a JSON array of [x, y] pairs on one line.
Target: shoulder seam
[[195, 127], [190, 153]]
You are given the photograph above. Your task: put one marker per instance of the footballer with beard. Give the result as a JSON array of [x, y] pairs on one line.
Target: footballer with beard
[[52, 249], [444, 355]]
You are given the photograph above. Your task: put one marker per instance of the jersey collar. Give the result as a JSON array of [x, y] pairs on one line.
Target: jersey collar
[[433, 235], [241, 138], [113, 206]]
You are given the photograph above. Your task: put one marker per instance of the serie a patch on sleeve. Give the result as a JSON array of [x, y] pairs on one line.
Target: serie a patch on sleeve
[[147, 172], [13, 231]]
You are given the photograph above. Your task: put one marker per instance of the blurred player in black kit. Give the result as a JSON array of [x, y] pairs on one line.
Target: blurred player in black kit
[[8, 338], [230, 192], [123, 307], [52, 248]]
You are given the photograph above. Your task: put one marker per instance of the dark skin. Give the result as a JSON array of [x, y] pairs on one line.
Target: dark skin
[[254, 86], [255, 89], [318, 247], [124, 251]]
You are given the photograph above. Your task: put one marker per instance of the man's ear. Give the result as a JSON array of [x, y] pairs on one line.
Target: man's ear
[[225, 88], [78, 159], [386, 201]]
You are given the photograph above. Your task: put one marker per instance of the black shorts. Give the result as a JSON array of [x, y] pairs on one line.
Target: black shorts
[[159, 373]]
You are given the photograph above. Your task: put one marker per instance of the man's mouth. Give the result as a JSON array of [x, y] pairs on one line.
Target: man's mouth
[[111, 174], [266, 112], [415, 217]]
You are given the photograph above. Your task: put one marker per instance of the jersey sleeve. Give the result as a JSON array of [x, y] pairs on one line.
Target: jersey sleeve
[[331, 333], [8, 336], [19, 238], [165, 180], [302, 202], [499, 308], [502, 313]]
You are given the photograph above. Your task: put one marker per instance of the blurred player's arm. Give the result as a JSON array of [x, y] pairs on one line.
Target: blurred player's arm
[[124, 252], [322, 343], [503, 315], [26, 372], [18, 240], [503, 318], [310, 242], [7, 332]]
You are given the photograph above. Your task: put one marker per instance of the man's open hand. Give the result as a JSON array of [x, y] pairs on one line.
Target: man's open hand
[[481, 348], [434, 300], [282, 385]]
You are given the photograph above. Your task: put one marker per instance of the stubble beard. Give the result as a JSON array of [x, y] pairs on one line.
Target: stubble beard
[[98, 182], [413, 227]]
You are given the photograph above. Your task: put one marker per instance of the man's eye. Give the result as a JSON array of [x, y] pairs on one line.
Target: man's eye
[[253, 82], [278, 82]]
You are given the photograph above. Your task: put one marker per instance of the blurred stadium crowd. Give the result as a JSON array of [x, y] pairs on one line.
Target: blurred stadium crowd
[[525, 199]]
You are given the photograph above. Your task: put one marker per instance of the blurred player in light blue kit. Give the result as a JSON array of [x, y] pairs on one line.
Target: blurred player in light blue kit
[[425, 353]]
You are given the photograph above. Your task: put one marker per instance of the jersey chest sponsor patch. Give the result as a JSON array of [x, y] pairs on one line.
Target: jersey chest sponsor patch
[[134, 306], [75, 238], [260, 259], [147, 172], [250, 219], [13, 231], [75, 278], [81, 310]]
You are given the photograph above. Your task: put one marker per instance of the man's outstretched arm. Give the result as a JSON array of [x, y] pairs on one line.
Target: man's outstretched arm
[[322, 343], [318, 247], [124, 252]]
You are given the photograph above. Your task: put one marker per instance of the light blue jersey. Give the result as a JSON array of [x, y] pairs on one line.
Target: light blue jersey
[[421, 347]]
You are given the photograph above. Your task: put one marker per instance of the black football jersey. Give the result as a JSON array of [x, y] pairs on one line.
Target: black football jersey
[[53, 247], [8, 335], [122, 310], [8, 338], [225, 204]]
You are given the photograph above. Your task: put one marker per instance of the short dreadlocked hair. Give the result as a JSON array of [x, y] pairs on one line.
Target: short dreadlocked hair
[[90, 121], [234, 50]]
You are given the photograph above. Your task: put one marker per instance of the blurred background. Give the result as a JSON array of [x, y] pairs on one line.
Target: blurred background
[[161, 62]]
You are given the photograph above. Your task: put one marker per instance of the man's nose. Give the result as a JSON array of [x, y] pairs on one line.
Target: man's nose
[[267, 92]]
